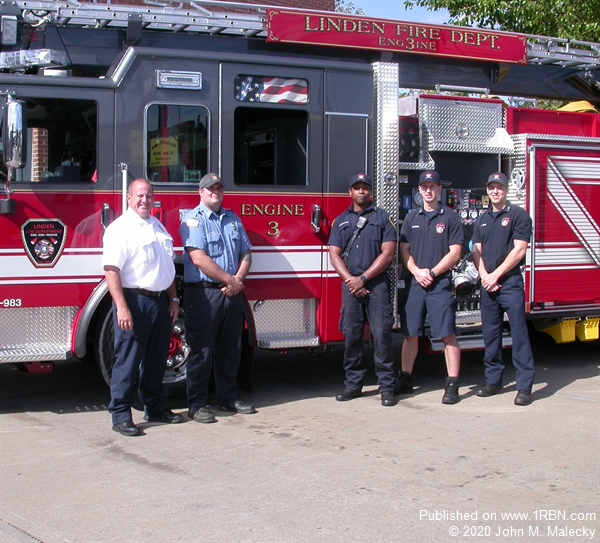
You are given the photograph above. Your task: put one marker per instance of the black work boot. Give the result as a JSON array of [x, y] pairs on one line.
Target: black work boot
[[451, 391], [404, 385]]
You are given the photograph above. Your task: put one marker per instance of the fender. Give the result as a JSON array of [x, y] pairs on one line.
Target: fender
[[84, 318]]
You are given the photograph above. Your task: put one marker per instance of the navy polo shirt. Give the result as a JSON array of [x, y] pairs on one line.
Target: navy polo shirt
[[430, 238], [367, 246], [497, 231]]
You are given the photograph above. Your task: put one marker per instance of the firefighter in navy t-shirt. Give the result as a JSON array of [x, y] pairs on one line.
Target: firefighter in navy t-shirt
[[430, 245], [362, 245], [500, 242]]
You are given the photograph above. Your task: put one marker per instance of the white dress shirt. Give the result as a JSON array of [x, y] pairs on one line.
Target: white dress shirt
[[142, 249]]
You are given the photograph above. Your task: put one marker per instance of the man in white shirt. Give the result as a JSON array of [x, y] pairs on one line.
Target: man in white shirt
[[138, 265]]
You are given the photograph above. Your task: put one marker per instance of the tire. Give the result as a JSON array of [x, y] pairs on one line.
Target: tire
[[175, 374]]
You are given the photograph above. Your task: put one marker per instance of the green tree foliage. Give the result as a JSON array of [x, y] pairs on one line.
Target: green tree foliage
[[342, 7], [568, 19]]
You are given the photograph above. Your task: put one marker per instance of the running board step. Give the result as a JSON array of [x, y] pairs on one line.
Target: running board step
[[286, 341]]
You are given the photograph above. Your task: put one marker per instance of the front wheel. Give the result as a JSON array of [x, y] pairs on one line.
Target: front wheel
[[175, 374]]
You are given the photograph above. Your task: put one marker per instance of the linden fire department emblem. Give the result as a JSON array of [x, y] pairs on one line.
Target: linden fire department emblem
[[505, 221], [44, 241], [440, 227]]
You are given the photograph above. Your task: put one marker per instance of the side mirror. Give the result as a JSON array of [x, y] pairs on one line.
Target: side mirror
[[14, 133]]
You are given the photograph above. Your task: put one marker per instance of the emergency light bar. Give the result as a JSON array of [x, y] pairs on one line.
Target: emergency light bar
[[35, 57]]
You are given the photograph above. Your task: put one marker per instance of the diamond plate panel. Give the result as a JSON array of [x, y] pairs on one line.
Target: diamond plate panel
[[285, 324], [385, 76], [36, 334], [462, 126], [515, 168], [387, 149]]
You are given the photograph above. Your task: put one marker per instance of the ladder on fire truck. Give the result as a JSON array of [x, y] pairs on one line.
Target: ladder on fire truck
[[231, 18]]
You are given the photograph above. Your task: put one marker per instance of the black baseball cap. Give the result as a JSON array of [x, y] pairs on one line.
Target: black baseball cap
[[497, 178], [429, 177], [361, 178]]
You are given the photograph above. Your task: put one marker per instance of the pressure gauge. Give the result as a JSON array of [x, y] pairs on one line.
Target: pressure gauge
[[418, 198]]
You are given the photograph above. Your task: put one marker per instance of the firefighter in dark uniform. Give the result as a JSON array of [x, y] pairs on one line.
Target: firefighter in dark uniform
[[362, 245], [500, 241], [430, 245]]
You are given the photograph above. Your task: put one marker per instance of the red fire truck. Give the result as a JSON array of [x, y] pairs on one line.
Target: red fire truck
[[286, 106]]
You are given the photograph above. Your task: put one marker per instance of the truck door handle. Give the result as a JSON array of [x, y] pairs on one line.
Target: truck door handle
[[105, 215], [315, 218]]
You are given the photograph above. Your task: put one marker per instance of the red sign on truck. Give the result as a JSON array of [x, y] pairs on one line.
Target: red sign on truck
[[349, 31]]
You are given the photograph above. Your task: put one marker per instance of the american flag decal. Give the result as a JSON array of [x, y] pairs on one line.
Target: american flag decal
[[272, 90]]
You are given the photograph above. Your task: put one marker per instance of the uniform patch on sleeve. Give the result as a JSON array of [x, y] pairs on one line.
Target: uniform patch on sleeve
[[192, 223]]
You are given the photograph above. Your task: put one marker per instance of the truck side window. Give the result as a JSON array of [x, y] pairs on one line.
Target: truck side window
[[270, 146], [176, 143], [62, 142]]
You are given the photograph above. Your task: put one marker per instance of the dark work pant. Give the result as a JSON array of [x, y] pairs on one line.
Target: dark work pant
[[375, 308], [143, 349], [213, 325], [509, 298]]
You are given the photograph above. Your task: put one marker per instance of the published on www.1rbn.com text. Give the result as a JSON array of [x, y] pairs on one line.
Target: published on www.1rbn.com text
[[512, 525]]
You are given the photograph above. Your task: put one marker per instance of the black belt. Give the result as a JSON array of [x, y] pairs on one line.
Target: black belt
[[144, 292], [203, 284]]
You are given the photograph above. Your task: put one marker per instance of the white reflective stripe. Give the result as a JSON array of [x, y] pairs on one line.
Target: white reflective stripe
[[51, 281], [545, 255], [20, 267], [267, 262], [289, 261], [569, 205]]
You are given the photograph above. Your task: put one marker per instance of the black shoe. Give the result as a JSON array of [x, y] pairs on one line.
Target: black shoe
[[387, 399], [451, 391], [167, 416], [239, 406], [404, 385], [201, 414], [128, 429], [487, 390], [349, 394], [523, 398]]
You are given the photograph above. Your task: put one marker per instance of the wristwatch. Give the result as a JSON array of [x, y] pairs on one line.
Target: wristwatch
[[175, 300], [432, 274], [363, 278]]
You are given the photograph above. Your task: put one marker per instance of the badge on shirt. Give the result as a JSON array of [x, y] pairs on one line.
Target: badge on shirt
[[505, 221], [440, 227], [193, 223]]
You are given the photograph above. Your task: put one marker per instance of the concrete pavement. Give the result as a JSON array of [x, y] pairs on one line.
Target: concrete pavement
[[306, 468]]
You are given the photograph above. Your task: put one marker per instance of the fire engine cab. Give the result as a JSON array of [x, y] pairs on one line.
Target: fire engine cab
[[286, 106]]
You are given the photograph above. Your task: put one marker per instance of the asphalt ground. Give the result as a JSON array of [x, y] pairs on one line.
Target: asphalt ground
[[306, 468]]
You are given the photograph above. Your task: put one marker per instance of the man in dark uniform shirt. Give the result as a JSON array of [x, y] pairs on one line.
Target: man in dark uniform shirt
[[361, 248], [430, 244], [500, 242]]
